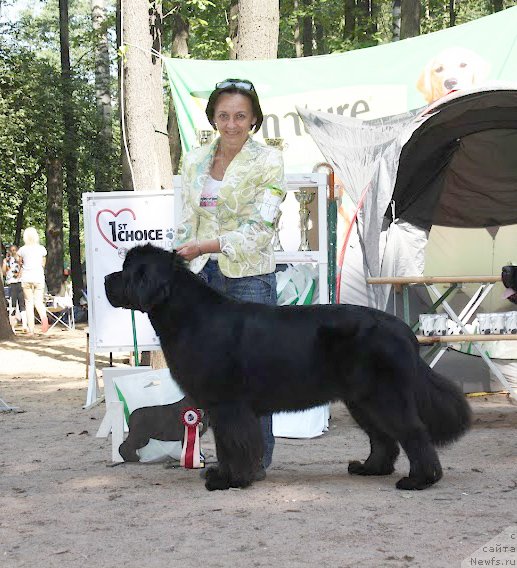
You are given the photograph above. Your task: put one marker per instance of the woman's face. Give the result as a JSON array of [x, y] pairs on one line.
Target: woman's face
[[233, 116]]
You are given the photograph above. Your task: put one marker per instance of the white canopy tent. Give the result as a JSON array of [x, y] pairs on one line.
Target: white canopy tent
[[452, 164], [448, 170]]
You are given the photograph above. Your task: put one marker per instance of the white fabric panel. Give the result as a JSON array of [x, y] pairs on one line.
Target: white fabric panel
[[305, 424]]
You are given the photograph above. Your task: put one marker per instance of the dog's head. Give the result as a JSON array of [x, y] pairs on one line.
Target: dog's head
[[509, 278], [144, 281], [452, 69]]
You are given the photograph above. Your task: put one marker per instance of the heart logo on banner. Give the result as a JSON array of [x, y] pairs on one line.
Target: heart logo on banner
[[109, 241]]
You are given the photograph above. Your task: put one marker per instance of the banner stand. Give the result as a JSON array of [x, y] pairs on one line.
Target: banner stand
[[114, 222]]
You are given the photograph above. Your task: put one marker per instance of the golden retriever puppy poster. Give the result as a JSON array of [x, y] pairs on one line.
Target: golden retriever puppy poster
[[453, 69]]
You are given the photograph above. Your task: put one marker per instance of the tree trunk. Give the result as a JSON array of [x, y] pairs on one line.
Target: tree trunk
[[54, 230], [20, 217], [144, 115], [396, 20], [127, 181], [307, 31], [103, 146], [298, 47], [362, 19], [452, 14], [321, 44], [233, 28], [410, 18], [6, 331], [349, 28], [180, 36], [258, 23], [70, 154]]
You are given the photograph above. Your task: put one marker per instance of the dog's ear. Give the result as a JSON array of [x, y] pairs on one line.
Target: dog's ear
[[481, 69], [424, 82], [150, 283]]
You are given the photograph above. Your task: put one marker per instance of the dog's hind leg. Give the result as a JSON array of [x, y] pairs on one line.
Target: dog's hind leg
[[424, 465], [397, 415], [239, 446], [384, 449]]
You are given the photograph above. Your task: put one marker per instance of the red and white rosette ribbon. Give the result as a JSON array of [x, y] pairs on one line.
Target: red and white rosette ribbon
[[191, 417]]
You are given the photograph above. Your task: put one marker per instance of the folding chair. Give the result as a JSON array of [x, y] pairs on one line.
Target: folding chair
[[60, 310]]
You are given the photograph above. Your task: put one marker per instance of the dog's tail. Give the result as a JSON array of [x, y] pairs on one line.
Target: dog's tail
[[442, 406]]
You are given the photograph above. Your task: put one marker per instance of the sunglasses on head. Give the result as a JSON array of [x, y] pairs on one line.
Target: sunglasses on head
[[245, 85]]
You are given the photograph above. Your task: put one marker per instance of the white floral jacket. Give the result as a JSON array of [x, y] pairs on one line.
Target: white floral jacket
[[240, 223]]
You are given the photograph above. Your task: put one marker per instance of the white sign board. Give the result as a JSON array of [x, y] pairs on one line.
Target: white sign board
[[113, 223]]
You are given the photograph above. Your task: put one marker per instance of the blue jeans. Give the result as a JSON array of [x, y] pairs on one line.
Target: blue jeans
[[261, 290]]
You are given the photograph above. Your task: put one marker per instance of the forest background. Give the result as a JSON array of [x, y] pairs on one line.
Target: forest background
[[61, 98]]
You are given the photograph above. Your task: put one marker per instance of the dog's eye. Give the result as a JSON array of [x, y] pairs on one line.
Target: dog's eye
[[439, 69]]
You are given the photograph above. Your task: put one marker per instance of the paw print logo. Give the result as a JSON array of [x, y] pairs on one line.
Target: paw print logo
[[122, 252], [169, 233]]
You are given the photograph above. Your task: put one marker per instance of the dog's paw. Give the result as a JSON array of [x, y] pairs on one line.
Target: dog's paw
[[358, 468], [128, 453], [215, 480], [414, 483]]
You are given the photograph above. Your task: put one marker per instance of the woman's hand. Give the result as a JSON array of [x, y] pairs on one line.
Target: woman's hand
[[190, 250], [193, 249]]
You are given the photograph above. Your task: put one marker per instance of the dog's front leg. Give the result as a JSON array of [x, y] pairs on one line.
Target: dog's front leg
[[239, 446]]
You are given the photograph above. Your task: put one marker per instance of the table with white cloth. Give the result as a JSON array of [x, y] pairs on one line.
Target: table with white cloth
[[441, 343]]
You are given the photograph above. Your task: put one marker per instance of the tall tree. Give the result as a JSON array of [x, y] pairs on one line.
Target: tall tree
[[395, 26], [103, 146], [258, 22], [144, 115], [54, 230], [298, 46], [410, 18], [452, 14], [307, 35], [180, 36], [70, 154], [233, 28], [6, 331], [350, 17]]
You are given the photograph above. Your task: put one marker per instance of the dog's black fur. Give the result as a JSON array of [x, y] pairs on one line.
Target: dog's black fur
[[240, 360], [158, 422]]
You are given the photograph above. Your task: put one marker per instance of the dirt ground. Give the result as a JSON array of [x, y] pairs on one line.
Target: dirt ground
[[63, 504]]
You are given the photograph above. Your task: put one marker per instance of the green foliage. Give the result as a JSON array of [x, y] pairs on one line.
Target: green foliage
[[31, 127], [31, 124]]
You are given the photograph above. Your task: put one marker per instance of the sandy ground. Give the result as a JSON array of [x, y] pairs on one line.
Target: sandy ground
[[63, 504]]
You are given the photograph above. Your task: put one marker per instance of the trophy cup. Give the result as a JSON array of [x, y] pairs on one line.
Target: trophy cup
[[304, 196], [277, 245], [205, 136]]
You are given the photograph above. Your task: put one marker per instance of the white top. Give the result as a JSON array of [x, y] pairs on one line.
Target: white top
[[13, 270], [32, 268], [208, 199]]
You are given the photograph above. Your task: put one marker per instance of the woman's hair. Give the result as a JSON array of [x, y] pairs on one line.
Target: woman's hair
[[30, 236], [233, 87]]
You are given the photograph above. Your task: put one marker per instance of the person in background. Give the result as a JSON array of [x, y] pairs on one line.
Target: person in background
[[66, 285], [231, 191], [11, 270], [33, 257]]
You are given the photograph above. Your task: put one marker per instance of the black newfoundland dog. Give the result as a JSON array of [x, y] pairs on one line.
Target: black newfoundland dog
[[241, 360]]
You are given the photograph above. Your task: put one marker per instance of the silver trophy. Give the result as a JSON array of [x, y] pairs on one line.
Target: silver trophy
[[305, 196], [277, 245], [205, 136]]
